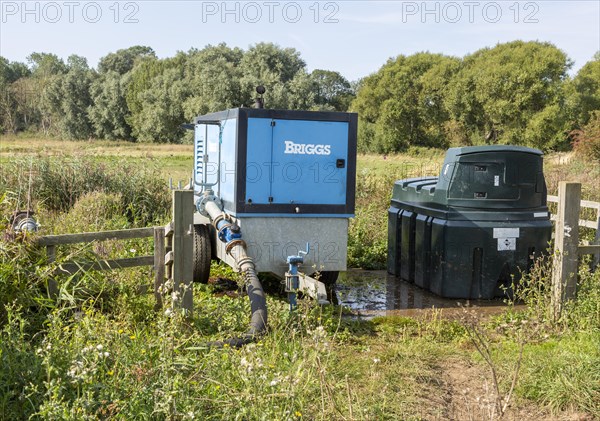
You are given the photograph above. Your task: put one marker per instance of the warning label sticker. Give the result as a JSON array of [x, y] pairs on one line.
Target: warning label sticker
[[507, 244], [506, 232]]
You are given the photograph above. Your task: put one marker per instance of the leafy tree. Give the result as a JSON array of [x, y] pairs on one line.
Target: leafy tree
[[25, 103], [45, 69], [512, 93], [122, 61], [162, 114], [142, 79], [297, 94], [8, 118], [213, 75], [587, 90], [273, 67], [12, 95], [586, 142], [68, 97], [332, 89], [301, 92], [516, 93], [403, 103], [108, 112], [12, 71], [44, 65], [269, 59]]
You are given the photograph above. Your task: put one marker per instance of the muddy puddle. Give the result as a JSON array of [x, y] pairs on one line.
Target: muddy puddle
[[377, 293]]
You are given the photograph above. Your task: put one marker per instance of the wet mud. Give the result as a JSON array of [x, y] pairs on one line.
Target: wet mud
[[377, 293]]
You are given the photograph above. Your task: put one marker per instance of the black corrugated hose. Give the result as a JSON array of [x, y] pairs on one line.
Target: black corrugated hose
[[258, 319]]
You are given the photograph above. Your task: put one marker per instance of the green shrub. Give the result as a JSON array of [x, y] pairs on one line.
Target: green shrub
[[586, 143], [584, 313], [93, 211]]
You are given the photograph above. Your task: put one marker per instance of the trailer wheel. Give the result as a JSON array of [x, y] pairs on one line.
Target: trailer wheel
[[202, 253], [329, 277]]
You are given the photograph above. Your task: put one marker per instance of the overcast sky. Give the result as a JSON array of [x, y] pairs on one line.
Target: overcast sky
[[352, 37]]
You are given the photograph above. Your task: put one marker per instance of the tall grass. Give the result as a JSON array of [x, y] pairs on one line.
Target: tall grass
[[100, 351], [56, 183], [367, 239], [23, 283], [561, 359]]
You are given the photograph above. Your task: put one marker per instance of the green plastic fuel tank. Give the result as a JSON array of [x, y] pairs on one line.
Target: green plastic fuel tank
[[469, 232]]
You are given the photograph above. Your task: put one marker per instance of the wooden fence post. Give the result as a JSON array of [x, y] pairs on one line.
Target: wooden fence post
[[566, 243], [52, 284], [183, 264], [159, 265], [596, 260], [169, 250]]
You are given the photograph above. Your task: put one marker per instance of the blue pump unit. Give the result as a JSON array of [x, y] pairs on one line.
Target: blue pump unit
[[278, 162], [287, 178]]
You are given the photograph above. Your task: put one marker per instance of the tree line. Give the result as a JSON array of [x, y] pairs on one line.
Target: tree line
[[133, 95], [515, 93]]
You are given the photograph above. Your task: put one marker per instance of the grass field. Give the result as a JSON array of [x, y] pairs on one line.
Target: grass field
[[175, 161], [102, 352]]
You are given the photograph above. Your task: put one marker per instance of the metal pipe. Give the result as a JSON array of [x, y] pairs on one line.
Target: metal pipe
[[204, 161], [213, 210]]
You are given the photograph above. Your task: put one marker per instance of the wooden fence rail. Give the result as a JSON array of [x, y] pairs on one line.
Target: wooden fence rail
[[583, 204], [50, 242], [566, 242], [585, 249], [173, 248]]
